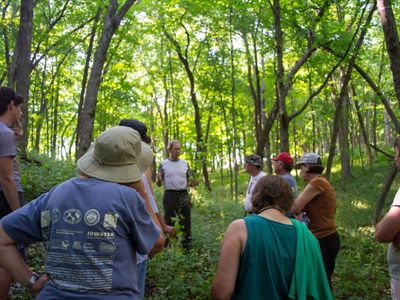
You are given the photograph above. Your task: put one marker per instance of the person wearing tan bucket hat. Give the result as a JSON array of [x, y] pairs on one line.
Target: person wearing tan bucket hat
[[147, 192], [93, 226]]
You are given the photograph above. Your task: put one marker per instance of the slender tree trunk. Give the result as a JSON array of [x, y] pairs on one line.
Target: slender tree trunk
[[344, 137], [21, 66], [55, 122], [344, 90], [362, 126], [233, 111], [392, 41], [42, 109], [385, 189], [112, 20]]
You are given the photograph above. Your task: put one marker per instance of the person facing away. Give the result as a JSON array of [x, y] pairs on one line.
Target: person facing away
[[252, 165], [148, 195], [11, 192], [266, 255], [175, 174], [318, 200], [388, 231], [93, 225], [283, 164]]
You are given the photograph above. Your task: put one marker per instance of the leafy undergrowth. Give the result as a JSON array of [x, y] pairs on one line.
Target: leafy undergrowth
[[361, 270]]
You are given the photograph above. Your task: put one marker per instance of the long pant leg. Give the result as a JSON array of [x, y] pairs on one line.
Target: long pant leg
[[170, 203], [330, 246], [141, 275], [185, 219]]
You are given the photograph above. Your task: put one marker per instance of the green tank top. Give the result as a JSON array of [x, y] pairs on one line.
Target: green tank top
[[267, 263]]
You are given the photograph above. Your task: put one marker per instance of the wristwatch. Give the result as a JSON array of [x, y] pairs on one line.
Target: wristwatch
[[32, 280]]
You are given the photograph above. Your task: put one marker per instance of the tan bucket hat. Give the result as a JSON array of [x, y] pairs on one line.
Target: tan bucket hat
[[117, 155]]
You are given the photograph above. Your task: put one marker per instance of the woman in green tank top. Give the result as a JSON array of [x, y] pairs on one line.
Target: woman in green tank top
[[258, 253]]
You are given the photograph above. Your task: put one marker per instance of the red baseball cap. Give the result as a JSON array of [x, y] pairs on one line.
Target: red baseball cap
[[285, 158]]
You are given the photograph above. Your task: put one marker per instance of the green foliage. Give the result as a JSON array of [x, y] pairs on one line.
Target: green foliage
[[40, 173]]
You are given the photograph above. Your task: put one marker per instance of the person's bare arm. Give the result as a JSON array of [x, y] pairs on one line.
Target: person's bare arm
[[166, 228], [8, 183], [224, 281], [12, 261], [160, 176], [140, 188], [309, 193], [389, 227]]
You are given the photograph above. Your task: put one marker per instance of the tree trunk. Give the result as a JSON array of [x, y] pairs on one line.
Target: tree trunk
[[392, 41], [385, 189], [233, 114], [112, 20], [344, 90], [362, 126], [254, 86], [344, 137], [55, 122], [42, 110], [21, 66]]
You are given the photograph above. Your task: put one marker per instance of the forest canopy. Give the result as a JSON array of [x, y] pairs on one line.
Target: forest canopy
[[227, 78]]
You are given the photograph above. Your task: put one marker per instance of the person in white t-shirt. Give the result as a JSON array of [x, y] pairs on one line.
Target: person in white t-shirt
[[253, 166]]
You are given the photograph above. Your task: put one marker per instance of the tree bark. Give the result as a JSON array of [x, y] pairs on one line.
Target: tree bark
[[21, 66], [392, 41], [344, 137], [362, 126], [344, 90], [112, 20], [385, 189]]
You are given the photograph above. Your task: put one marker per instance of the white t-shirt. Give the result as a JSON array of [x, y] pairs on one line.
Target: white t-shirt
[[252, 182], [175, 174]]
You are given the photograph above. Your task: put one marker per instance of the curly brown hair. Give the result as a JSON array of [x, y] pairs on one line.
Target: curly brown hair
[[272, 190]]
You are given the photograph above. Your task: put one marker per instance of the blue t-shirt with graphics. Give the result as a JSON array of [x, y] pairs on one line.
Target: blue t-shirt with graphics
[[93, 230], [8, 148]]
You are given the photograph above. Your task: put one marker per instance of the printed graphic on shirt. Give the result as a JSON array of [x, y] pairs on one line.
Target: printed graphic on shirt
[[110, 220], [92, 261], [45, 219], [94, 272], [55, 215], [92, 217], [72, 216]]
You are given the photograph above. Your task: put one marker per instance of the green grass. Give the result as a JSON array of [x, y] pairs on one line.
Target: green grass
[[361, 270]]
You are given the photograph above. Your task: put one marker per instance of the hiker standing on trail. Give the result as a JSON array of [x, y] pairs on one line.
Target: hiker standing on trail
[[176, 176], [388, 231], [11, 193], [318, 200], [283, 164], [252, 165]]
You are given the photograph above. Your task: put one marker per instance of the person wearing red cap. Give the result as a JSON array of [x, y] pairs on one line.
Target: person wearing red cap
[[283, 164]]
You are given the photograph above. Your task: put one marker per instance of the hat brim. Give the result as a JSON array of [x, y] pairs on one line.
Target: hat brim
[[146, 139], [146, 157], [120, 174], [298, 165]]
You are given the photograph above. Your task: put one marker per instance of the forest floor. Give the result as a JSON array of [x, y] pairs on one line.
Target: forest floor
[[361, 270]]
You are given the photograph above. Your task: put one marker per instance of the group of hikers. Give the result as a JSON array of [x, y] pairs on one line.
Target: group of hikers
[[101, 227]]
